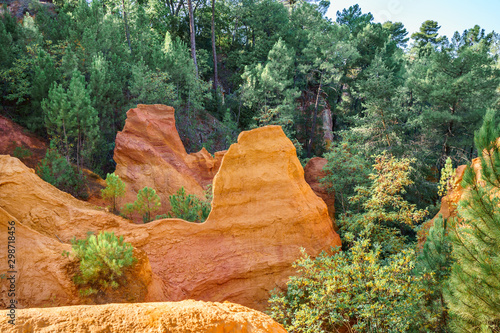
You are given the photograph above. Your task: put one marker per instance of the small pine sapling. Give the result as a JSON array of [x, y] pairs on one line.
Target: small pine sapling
[[103, 259], [115, 188], [147, 203], [188, 207]]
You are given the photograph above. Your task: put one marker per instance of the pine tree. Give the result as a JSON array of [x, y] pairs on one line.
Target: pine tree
[[426, 39], [451, 91], [383, 118], [115, 188], [474, 292], [346, 169], [69, 115], [434, 265], [147, 203], [321, 65], [103, 259], [188, 207], [57, 117], [269, 89], [354, 19], [398, 33]]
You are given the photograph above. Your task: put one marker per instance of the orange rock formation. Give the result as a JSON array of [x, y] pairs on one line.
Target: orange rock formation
[[450, 201], [181, 317], [313, 172], [263, 213], [149, 152], [12, 135]]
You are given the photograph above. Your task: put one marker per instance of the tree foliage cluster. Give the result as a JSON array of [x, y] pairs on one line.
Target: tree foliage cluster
[[188, 207], [71, 73], [382, 282], [183, 206]]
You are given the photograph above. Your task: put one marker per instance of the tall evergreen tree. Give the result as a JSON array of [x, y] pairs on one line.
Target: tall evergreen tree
[[322, 64], [434, 264], [70, 116], [452, 89], [474, 292], [426, 39], [383, 118], [354, 19], [269, 89]]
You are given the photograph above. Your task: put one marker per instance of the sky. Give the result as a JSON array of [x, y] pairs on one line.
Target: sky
[[451, 15]]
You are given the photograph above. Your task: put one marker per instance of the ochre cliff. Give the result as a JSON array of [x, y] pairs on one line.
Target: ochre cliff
[[180, 317], [149, 152], [13, 136], [313, 172], [263, 213]]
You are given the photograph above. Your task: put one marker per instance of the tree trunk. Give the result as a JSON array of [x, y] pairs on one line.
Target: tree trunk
[[127, 33], [193, 41], [66, 145], [311, 138], [216, 78], [235, 29], [385, 129], [327, 126]]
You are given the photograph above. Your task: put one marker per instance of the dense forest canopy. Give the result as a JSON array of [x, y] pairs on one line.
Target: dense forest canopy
[[70, 70], [357, 92]]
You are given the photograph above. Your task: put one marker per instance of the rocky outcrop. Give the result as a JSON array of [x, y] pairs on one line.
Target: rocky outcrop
[[313, 172], [30, 149], [16, 141], [149, 152], [181, 317], [263, 213], [44, 276]]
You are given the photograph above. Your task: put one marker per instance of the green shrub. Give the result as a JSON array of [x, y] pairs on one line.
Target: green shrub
[[189, 207], [103, 259], [56, 170], [127, 210], [354, 289], [21, 152]]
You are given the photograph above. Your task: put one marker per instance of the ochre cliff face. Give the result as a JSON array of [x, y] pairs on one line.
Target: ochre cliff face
[[313, 172], [181, 317], [149, 152], [12, 135], [263, 213]]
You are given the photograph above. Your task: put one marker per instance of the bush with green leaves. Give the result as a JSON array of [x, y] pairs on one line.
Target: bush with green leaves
[[188, 207], [354, 289], [103, 259], [22, 152], [56, 170], [115, 188], [127, 210]]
